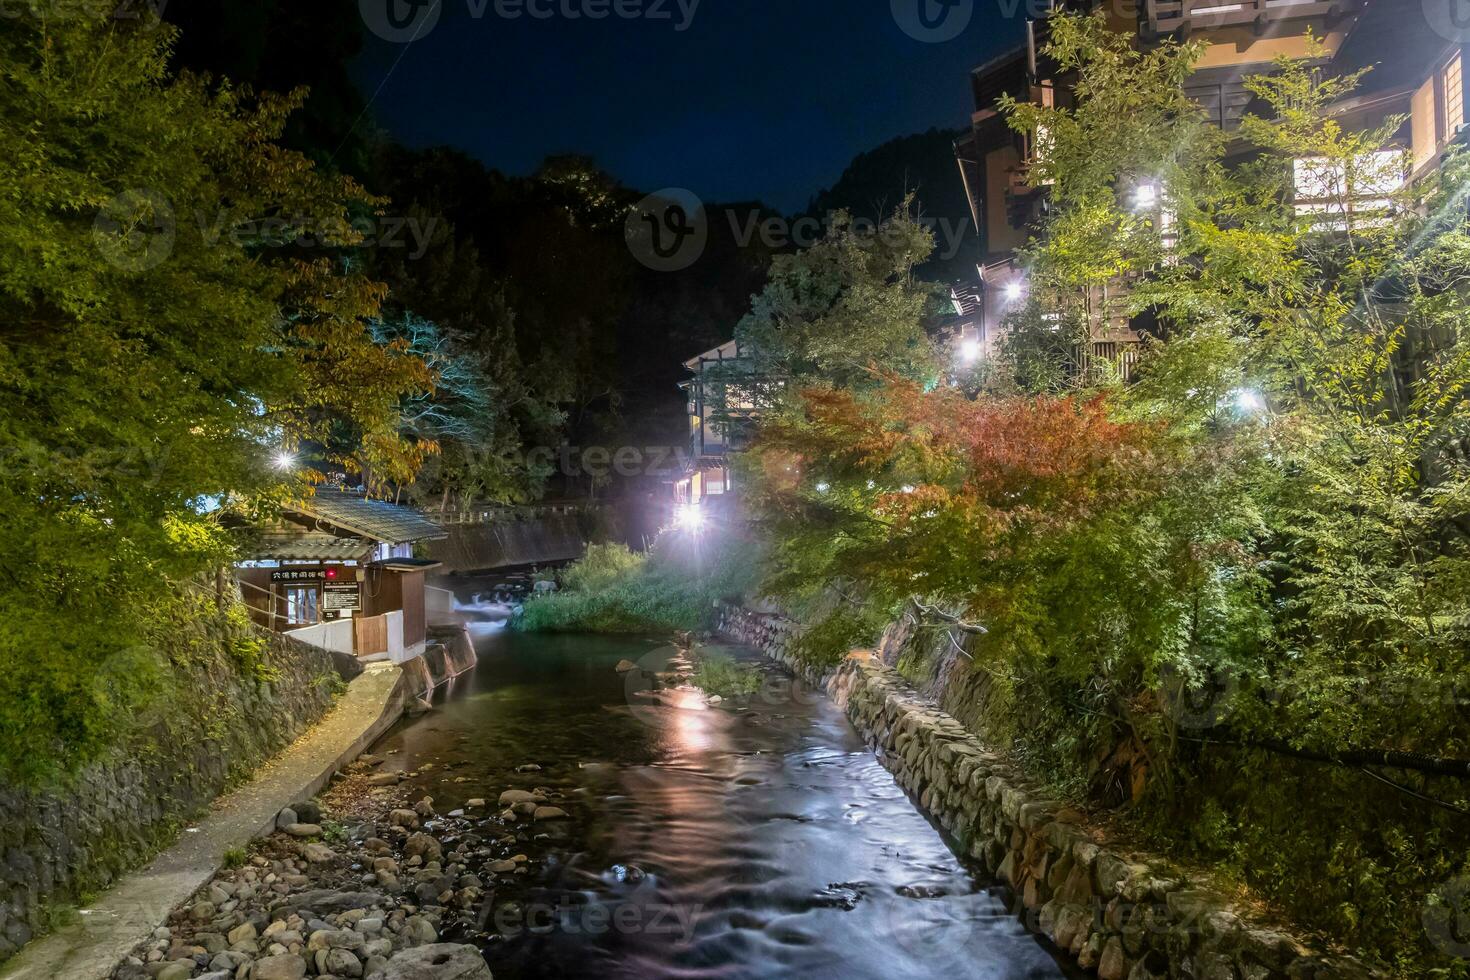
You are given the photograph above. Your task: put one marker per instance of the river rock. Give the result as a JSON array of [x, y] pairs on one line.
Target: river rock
[[286, 818], [550, 813], [403, 818], [304, 830], [384, 779], [229, 961], [328, 901], [242, 933], [424, 846], [318, 854], [179, 970], [338, 963], [438, 962], [626, 666], [284, 967], [513, 796], [334, 939], [309, 811]]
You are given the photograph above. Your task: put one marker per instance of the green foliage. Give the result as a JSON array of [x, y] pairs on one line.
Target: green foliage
[[674, 587], [235, 857], [716, 673], [604, 566], [163, 330], [1263, 540], [835, 313], [827, 640]]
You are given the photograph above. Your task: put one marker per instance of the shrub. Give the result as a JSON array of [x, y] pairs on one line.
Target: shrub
[[717, 673], [604, 566], [674, 587]]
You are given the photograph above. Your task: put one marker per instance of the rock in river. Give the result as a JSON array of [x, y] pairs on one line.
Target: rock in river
[[441, 962]]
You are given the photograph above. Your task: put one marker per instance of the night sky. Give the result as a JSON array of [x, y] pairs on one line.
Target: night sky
[[756, 99]]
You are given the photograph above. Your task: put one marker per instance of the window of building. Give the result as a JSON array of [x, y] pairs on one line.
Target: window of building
[[1454, 97], [301, 606], [1364, 190]]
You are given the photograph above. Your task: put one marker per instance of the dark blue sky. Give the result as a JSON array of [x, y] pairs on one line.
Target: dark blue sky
[[766, 99]]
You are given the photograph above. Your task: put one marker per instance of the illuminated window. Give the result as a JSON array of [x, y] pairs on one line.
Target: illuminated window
[[1363, 190], [301, 607], [1454, 97]]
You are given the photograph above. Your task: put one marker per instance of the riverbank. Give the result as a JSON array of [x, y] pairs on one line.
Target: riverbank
[[102, 932], [1124, 914], [365, 885], [753, 832]]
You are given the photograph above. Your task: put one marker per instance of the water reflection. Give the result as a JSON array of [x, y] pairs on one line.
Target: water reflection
[[753, 838]]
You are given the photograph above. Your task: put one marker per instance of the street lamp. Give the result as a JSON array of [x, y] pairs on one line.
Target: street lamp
[[1013, 290], [284, 460], [691, 517], [970, 350]]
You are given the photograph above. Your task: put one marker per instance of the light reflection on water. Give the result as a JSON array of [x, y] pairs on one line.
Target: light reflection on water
[[756, 838]]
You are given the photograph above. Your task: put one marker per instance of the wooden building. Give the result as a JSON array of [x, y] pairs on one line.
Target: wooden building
[[1416, 71], [722, 413], [339, 571]]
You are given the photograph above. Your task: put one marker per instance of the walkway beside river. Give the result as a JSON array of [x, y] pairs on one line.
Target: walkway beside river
[[107, 930]]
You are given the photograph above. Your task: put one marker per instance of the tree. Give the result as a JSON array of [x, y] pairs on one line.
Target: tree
[[175, 312], [836, 314]]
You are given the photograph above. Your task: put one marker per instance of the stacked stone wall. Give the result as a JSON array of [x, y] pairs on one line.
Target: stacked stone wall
[[59, 845], [1122, 914]]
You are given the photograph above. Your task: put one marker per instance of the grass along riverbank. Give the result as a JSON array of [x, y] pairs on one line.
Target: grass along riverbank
[[674, 586]]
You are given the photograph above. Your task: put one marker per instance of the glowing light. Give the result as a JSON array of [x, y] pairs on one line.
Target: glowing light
[[823, 487], [1249, 400], [1013, 292], [970, 350], [1145, 196], [691, 517], [284, 460]]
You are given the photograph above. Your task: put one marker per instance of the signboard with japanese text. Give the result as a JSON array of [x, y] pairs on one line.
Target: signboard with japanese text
[[341, 597]]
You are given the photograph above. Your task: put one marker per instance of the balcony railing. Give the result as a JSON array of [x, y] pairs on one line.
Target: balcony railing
[[1167, 16]]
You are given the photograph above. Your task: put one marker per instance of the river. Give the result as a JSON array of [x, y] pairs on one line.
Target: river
[[752, 838]]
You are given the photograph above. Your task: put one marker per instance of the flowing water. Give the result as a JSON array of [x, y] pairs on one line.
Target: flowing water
[[751, 838]]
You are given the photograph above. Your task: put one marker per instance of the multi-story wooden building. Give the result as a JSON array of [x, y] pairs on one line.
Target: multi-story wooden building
[[722, 413], [1416, 62]]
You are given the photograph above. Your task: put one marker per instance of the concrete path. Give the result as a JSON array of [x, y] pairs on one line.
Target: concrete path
[[107, 930]]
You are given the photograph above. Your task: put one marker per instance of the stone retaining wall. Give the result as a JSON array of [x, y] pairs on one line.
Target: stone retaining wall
[[449, 653], [1123, 915], [220, 725]]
